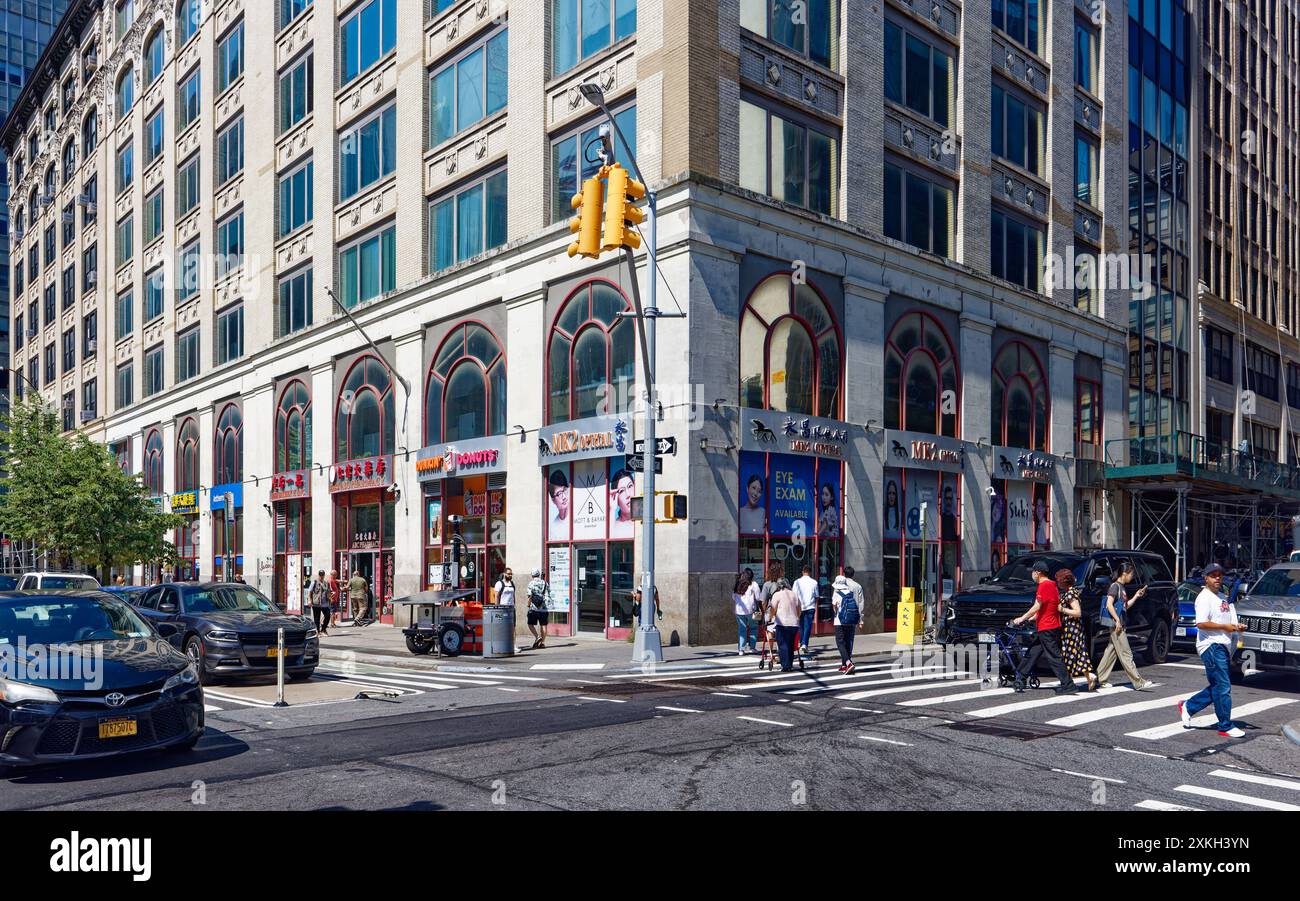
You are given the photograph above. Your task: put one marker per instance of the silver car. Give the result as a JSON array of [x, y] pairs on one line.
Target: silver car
[[1271, 612]]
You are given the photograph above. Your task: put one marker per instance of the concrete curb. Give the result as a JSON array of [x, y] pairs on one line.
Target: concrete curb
[[1292, 731]]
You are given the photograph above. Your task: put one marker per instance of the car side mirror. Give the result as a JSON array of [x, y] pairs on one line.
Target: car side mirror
[[167, 607], [984, 580]]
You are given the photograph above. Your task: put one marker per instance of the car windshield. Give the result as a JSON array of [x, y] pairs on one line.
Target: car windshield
[[47, 621], [74, 582], [1018, 570], [1278, 583], [227, 599]]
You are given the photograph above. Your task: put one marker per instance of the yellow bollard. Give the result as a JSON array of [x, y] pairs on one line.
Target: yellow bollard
[[910, 620]]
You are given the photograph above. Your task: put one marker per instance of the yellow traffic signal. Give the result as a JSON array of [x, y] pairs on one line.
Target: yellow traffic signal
[[621, 217], [590, 206]]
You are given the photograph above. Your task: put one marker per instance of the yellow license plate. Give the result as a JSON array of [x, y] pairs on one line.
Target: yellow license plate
[[117, 728], [273, 652]]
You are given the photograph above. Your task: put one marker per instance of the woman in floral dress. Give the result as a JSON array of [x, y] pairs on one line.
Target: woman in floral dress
[[1074, 646]]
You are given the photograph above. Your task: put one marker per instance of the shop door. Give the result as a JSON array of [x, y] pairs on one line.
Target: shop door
[[589, 575], [363, 563], [622, 616], [923, 572]]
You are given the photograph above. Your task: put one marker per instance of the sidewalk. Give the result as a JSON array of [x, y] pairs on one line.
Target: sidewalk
[[383, 645]]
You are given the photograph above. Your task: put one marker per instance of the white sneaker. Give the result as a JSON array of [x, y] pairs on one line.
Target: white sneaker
[[1234, 732], [1186, 717]]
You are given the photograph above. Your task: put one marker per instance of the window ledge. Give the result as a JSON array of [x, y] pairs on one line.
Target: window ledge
[[595, 61], [793, 56]]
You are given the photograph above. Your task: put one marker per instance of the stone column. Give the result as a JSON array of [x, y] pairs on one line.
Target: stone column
[[976, 362], [525, 505], [974, 115], [259, 462], [322, 449], [864, 402], [408, 534], [1060, 383], [1114, 391]]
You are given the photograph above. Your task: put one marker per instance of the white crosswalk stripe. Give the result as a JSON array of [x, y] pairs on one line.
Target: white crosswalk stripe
[[964, 696], [1162, 732], [791, 680], [1249, 800], [1092, 716], [1151, 804], [1271, 781], [968, 684], [1005, 709]]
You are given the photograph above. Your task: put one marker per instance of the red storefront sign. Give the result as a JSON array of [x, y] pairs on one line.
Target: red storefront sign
[[288, 486], [358, 475]]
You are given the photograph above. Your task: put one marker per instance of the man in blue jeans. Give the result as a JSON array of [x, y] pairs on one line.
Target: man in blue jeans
[[806, 589], [1216, 624]]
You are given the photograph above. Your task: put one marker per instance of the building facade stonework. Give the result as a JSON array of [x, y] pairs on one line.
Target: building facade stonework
[[856, 215]]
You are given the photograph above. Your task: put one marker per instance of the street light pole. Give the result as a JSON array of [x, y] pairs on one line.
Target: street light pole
[[648, 643]]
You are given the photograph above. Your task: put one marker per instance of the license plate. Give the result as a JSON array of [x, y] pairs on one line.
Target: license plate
[[1181, 631], [986, 638], [273, 652], [123, 728], [1270, 646]]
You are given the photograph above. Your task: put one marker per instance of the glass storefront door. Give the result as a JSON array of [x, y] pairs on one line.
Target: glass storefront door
[[363, 562], [590, 582]]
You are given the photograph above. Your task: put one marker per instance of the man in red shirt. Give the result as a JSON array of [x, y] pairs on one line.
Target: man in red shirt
[[1047, 612]]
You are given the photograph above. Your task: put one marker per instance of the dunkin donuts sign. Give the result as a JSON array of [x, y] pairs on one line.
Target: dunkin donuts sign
[[464, 458]]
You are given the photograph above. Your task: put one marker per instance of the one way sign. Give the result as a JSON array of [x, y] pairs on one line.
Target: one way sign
[[664, 447], [637, 464]]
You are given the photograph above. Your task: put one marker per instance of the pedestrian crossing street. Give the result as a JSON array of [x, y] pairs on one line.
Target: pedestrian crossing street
[[402, 682]]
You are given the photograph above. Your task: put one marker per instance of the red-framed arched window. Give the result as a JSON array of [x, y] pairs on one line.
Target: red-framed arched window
[[228, 447], [1019, 402], [591, 355], [293, 428], [187, 456], [465, 394], [790, 352], [363, 413], [920, 368], [153, 463]]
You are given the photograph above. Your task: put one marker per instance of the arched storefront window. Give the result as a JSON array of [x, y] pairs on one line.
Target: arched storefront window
[[591, 354], [920, 366], [465, 401], [920, 500], [187, 480], [790, 356], [791, 505], [125, 91], [1019, 407], [291, 496], [228, 475], [465, 396], [153, 463], [364, 508], [364, 413]]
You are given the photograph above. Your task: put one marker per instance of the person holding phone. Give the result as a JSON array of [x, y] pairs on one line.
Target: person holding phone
[[1113, 614], [1216, 624]]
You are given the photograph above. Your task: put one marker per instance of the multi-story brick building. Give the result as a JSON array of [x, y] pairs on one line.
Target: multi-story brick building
[[858, 202]]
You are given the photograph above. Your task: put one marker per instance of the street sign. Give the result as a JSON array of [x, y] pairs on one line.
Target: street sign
[[637, 464], [664, 447]]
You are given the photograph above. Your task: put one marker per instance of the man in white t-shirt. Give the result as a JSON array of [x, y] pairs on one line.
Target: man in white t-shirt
[[1216, 624], [806, 590]]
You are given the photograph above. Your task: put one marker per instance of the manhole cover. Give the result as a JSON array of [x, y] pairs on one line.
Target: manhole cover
[[1018, 731]]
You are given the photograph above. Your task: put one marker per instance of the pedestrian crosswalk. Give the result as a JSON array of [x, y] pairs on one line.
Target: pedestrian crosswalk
[[419, 681]]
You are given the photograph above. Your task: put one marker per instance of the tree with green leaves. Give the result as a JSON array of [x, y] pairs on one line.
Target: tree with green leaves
[[70, 497]]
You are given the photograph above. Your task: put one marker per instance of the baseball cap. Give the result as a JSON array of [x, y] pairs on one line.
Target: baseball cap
[[1213, 569], [537, 573]]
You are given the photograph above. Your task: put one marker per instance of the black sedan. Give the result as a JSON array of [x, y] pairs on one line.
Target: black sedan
[[229, 629], [85, 676]]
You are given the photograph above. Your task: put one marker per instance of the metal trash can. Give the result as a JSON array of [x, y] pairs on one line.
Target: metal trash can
[[498, 630]]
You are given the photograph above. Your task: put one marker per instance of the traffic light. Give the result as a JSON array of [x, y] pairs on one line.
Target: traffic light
[[590, 205], [621, 217], [674, 506]]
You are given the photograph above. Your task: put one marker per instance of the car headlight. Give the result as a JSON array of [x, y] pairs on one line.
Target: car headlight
[[311, 633], [17, 692], [220, 635], [183, 679]]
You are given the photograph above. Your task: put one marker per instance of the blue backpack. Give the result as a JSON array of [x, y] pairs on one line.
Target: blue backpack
[[849, 613]]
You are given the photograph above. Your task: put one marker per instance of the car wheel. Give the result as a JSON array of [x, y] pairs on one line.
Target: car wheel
[[194, 648], [417, 645], [1157, 650]]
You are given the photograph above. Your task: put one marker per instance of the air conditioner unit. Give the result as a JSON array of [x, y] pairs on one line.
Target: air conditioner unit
[[91, 346], [32, 333], [87, 415], [68, 217], [90, 62], [92, 278], [47, 200], [67, 405], [85, 200]]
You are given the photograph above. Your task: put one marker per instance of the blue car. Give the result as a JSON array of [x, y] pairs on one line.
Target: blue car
[[1185, 631]]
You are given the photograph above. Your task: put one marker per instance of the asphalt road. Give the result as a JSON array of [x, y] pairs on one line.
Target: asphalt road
[[884, 739]]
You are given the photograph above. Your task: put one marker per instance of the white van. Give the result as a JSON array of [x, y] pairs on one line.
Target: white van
[[57, 581]]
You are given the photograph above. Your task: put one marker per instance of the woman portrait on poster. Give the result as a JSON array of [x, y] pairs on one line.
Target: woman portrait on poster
[[828, 512], [892, 522], [753, 514]]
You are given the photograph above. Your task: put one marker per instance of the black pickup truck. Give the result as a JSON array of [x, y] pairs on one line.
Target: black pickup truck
[[978, 613]]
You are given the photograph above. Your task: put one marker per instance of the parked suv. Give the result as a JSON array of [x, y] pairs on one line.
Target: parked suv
[[57, 582], [1271, 612], [978, 613]]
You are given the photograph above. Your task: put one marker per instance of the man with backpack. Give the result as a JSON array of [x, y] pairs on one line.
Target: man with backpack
[[539, 596], [846, 598]]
